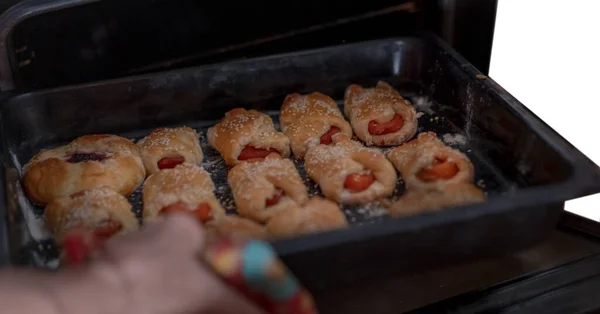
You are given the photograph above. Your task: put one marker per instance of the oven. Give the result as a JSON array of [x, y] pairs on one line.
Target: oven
[[52, 53]]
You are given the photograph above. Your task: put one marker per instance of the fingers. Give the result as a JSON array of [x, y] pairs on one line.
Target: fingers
[[177, 235], [224, 300], [161, 270]]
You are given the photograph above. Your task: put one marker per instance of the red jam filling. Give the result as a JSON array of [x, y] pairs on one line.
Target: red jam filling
[[326, 139], [251, 152], [441, 169], [170, 162], [358, 182], [274, 200], [76, 250], [382, 128], [202, 213]]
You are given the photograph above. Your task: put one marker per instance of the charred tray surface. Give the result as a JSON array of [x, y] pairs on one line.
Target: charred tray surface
[[526, 169]]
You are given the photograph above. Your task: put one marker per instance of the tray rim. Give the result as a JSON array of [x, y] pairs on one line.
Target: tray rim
[[584, 178]]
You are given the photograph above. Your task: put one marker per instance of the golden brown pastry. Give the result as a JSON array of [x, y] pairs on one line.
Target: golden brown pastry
[[425, 163], [185, 188], [350, 173], [260, 189], [103, 211], [166, 148], [317, 215], [88, 162], [312, 119], [247, 135], [423, 201], [235, 227], [379, 115]]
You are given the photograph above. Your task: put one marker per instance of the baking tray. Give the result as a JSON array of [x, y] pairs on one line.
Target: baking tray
[[527, 170]]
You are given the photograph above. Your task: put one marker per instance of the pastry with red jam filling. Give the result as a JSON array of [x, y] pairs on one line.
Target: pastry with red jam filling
[[349, 173], [317, 215], [88, 162], [187, 188], [415, 202], [165, 148], [312, 119], [260, 189], [379, 115], [247, 135], [236, 228], [101, 212], [425, 163]]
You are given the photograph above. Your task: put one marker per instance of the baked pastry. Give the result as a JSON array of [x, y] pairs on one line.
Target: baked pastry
[[166, 148], [235, 227], [101, 211], [260, 189], [379, 115], [187, 188], [317, 215], [309, 120], [350, 173], [423, 201], [88, 162], [425, 163], [247, 135]]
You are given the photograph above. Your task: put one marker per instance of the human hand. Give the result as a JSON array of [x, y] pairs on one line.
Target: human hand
[[156, 270]]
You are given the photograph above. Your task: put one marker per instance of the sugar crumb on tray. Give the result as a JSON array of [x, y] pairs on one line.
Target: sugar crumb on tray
[[454, 139]]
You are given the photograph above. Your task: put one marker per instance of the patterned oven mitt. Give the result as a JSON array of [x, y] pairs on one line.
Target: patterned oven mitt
[[253, 269]]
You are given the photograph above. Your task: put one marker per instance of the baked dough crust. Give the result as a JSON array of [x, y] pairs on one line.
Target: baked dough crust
[[381, 103], [421, 153], [235, 227], [252, 184], [241, 127], [49, 174], [317, 215], [170, 142], [186, 183], [88, 209], [305, 118], [329, 165], [423, 201]]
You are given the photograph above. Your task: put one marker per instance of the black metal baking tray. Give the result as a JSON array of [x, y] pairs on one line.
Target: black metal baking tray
[[526, 168], [546, 278]]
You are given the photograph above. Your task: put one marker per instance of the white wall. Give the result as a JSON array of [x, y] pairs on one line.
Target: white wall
[[547, 54]]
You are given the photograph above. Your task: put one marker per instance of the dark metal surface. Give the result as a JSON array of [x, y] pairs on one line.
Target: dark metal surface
[[467, 25], [106, 39], [568, 286], [472, 287], [56, 43], [529, 170], [495, 183]]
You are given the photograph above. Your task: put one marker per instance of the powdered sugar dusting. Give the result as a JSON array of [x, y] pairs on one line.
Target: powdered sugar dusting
[[299, 106], [329, 108], [454, 139], [423, 103], [237, 122], [211, 165], [256, 174], [90, 205], [215, 165], [324, 155]]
